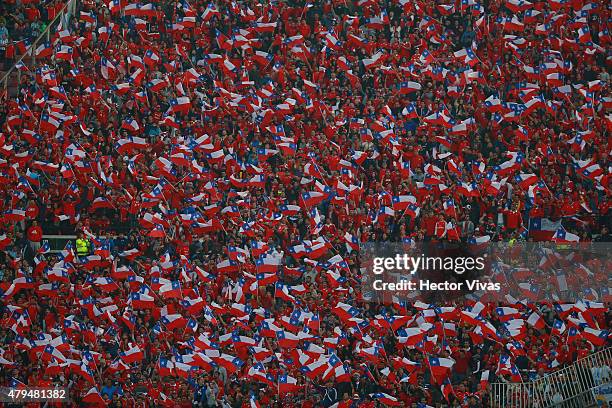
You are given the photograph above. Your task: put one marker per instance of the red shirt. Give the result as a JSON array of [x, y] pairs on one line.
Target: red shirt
[[35, 233], [512, 219], [32, 211]]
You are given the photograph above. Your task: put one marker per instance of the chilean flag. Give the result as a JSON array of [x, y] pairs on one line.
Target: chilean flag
[[312, 198], [385, 399], [439, 118], [142, 301], [287, 339], [513, 24], [156, 85], [468, 190], [44, 50], [558, 327], [411, 336], [209, 12], [447, 389], [48, 123], [106, 284], [592, 171], [535, 320], [426, 57], [402, 202], [316, 368], [268, 263], [165, 367], [507, 313], [493, 104], [449, 207], [484, 379], [50, 352], [542, 229], [467, 56], [93, 397], [130, 125], [281, 291], [151, 58], [63, 52], [181, 104], [227, 266], [522, 133], [193, 306], [440, 366], [264, 279], [14, 215], [410, 111], [171, 290], [413, 210], [526, 180], [262, 58], [121, 89], [88, 17], [287, 384], [264, 27], [133, 355], [231, 363], [174, 321], [595, 337], [563, 236], [241, 341], [373, 61], [529, 290], [408, 87], [345, 311], [352, 241], [584, 35]]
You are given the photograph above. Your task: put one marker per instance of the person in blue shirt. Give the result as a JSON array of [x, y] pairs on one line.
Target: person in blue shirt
[[110, 389], [199, 393], [151, 129]]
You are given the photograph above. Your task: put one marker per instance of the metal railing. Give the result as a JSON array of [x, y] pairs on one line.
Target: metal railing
[[575, 386], [64, 16], [58, 242]]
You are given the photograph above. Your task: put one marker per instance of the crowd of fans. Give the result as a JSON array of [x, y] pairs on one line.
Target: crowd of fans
[[21, 23], [221, 164]]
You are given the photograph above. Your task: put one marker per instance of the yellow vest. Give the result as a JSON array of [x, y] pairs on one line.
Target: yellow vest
[[82, 246], [562, 247]]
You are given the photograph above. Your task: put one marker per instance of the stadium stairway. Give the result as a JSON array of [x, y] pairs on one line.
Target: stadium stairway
[[584, 384]]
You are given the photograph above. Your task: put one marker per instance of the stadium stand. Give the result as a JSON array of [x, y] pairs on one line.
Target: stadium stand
[[187, 186]]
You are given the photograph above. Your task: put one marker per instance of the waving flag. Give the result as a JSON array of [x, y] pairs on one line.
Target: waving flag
[[181, 104], [142, 301], [440, 367], [408, 87], [93, 397], [386, 399], [45, 50], [287, 384], [132, 355], [561, 235]]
